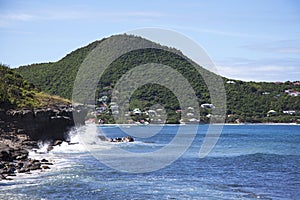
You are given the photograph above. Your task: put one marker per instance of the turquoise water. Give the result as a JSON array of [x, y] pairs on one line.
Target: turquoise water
[[248, 162]]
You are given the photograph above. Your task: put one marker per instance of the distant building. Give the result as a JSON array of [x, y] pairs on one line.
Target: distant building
[[190, 114], [292, 92], [271, 113], [207, 105], [230, 82], [137, 111], [291, 112], [296, 83], [191, 109], [295, 94]]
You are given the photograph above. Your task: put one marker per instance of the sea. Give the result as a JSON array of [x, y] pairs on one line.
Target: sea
[[245, 161]]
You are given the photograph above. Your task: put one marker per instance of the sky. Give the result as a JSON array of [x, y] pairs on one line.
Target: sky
[[250, 40]]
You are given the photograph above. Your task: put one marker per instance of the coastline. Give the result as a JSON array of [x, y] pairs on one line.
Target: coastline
[[24, 157], [21, 131]]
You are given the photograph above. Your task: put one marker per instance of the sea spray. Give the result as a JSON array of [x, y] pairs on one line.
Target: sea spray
[[43, 146], [82, 139]]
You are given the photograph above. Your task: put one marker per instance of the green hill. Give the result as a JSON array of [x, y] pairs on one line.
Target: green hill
[[17, 93], [246, 101]]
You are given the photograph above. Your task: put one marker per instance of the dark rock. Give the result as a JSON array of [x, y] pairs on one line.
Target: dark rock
[[2, 177], [102, 137], [20, 165], [73, 143], [6, 153], [123, 139], [117, 139], [47, 163], [32, 161], [57, 142], [44, 160], [127, 139], [23, 170], [35, 166], [45, 167], [20, 131], [5, 156], [50, 147]]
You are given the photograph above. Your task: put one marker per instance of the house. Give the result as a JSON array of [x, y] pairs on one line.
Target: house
[[230, 82], [292, 92], [271, 113], [290, 112], [295, 94], [296, 83], [189, 114], [137, 111], [194, 120], [207, 105], [191, 109]]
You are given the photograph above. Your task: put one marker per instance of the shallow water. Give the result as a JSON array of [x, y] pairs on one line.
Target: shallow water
[[248, 162]]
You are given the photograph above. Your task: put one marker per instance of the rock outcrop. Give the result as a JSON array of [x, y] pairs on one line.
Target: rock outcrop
[[15, 160], [42, 124], [117, 139], [20, 131]]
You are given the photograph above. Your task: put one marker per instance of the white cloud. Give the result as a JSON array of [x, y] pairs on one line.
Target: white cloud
[[260, 73], [73, 14], [281, 46]]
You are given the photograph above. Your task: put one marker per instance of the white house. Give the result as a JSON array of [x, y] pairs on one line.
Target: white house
[[291, 112], [230, 82], [137, 111], [207, 105]]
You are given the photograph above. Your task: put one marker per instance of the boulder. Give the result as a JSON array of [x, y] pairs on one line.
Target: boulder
[[45, 167], [127, 139], [57, 142]]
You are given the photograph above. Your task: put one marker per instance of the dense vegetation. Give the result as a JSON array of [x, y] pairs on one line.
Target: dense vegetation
[[57, 78], [251, 101], [246, 101], [16, 93]]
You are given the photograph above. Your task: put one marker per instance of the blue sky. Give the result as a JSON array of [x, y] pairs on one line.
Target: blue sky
[[248, 40]]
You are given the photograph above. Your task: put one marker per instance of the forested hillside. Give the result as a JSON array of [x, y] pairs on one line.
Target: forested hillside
[[17, 93], [246, 101]]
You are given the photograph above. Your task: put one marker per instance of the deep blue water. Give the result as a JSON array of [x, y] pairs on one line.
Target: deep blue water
[[248, 162]]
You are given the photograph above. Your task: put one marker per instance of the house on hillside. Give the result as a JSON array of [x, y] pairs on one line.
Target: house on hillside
[[296, 83], [137, 111], [290, 112], [295, 94], [292, 92], [207, 105], [230, 82], [271, 113]]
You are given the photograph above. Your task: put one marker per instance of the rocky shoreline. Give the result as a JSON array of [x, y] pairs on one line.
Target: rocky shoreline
[[15, 160], [21, 130]]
